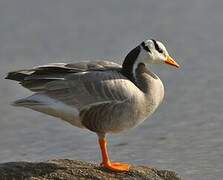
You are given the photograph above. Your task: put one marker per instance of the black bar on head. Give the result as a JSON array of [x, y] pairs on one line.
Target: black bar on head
[[157, 47], [145, 47]]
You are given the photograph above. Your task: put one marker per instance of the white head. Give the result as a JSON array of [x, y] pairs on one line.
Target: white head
[[154, 52], [148, 52]]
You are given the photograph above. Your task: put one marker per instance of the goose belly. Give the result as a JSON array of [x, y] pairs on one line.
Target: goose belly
[[114, 117]]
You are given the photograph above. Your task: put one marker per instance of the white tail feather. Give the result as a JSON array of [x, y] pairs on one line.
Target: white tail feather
[[43, 103]]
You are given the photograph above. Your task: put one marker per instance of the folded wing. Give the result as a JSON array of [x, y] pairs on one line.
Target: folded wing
[[78, 84], [36, 78], [79, 93]]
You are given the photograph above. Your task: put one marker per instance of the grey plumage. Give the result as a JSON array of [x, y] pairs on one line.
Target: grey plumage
[[34, 79], [105, 100], [101, 96]]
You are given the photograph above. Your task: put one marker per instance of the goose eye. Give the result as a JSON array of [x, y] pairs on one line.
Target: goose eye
[[160, 51]]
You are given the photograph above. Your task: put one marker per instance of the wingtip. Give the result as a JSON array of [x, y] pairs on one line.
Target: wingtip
[[16, 76], [6, 76], [20, 102], [9, 75], [15, 103]]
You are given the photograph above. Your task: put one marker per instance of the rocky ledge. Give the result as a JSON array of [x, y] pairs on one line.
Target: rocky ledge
[[71, 169]]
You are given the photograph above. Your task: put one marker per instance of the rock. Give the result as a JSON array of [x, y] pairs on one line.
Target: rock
[[64, 169]]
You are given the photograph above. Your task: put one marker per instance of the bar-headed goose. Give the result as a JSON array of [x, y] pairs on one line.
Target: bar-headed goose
[[101, 96]]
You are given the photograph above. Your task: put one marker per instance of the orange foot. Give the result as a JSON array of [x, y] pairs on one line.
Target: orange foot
[[115, 166]]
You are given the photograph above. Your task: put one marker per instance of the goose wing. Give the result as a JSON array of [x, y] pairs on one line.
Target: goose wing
[[92, 88], [95, 92], [36, 78], [78, 84]]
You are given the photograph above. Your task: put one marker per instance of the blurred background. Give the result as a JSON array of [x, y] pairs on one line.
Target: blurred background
[[185, 134]]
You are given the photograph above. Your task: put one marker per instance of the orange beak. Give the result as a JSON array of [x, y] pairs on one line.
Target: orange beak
[[169, 60]]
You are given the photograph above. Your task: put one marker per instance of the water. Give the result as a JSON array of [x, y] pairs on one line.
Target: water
[[185, 134]]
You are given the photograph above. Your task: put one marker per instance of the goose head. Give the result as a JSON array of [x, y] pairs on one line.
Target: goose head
[[148, 52], [154, 52]]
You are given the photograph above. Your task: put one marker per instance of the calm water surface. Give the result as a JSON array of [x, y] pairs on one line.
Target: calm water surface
[[185, 134]]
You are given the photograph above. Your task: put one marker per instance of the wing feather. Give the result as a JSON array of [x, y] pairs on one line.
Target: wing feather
[[78, 84], [94, 87], [36, 78]]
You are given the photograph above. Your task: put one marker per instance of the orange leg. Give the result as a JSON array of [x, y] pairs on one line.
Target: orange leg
[[107, 163]]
